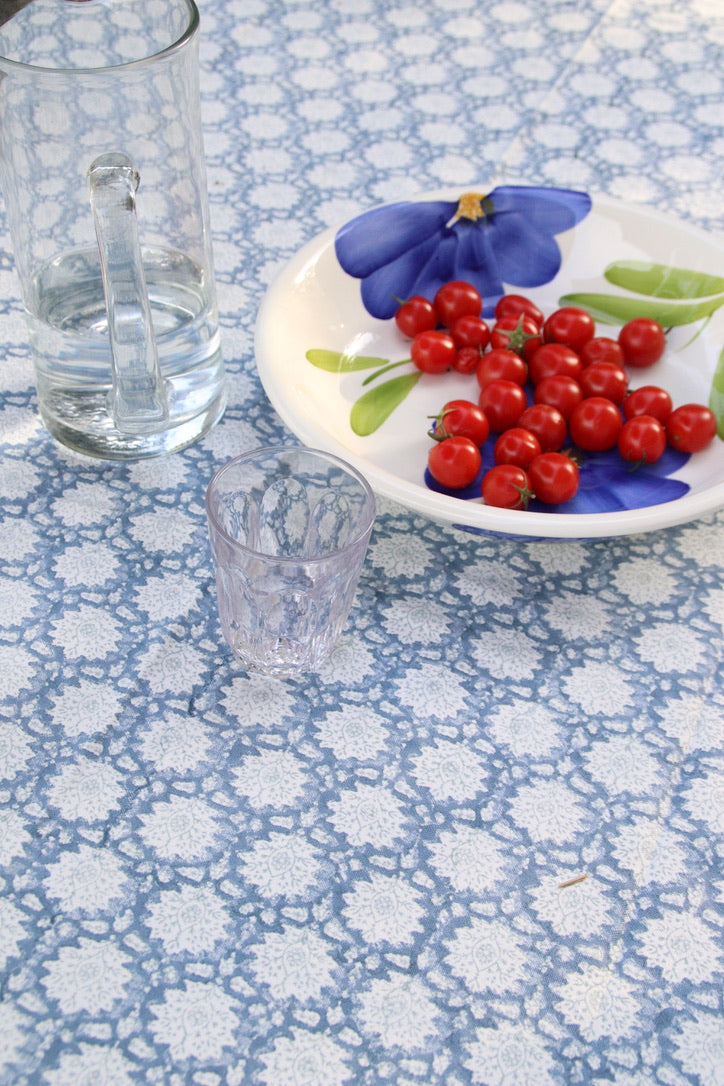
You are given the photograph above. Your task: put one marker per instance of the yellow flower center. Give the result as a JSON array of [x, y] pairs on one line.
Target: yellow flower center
[[470, 206]]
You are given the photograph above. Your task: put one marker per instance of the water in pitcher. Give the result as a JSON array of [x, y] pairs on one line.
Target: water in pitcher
[[69, 335]]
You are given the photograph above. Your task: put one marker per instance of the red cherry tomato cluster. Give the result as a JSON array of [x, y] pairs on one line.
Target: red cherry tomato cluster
[[578, 383]]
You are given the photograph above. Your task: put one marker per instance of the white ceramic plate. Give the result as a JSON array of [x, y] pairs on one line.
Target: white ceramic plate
[[314, 304]]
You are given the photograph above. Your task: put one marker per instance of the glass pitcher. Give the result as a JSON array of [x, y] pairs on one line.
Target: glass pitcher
[[103, 175]]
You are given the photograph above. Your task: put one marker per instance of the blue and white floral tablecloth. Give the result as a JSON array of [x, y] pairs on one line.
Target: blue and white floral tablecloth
[[210, 877]]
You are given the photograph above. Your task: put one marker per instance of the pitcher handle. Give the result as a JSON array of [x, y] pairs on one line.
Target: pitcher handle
[[138, 399]]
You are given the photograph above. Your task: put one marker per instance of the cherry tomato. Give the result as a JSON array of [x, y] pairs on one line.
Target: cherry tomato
[[595, 424], [454, 462], [690, 428], [457, 299], [470, 331], [548, 425], [551, 359], [642, 341], [501, 364], [604, 379], [570, 325], [506, 486], [516, 446], [461, 418], [503, 403], [648, 400], [520, 334], [433, 352], [601, 349], [513, 305], [560, 391], [642, 440], [553, 477], [466, 359], [415, 315]]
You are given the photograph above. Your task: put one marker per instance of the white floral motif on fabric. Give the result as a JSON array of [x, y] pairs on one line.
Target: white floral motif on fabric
[[15, 1028], [89, 880], [510, 1055], [600, 1003], [578, 618], [582, 908], [85, 708], [89, 976], [176, 743], [693, 721], [683, 947], [704, 799], [169, 596], [548, 810], [189, 920], [624, 764], [305, 1058], [293, 963], [19, 478], [418, 621], [352, 732], [385, 909], [16, 670], [282, 864], [92, 1065], [671, 647], [198, 1021], [651, 852], [84, 503], [88, 563], [86, 790], [349, 661], [180, 828], [598, 689], [399, 1010], [87, 631], [431, 691], [488, 955], [18, 600], [642, 584], [486, 584], [12, 931], [699, 1045], [507, 654], [14, 835], [525, 728], [450, 771], [368, 814], [469, 858], [171, 666], [163, 531], [272, 778], [15, 751], [252, 701]]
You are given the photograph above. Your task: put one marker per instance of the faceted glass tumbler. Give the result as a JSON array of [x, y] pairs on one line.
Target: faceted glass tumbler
[[289, 529]]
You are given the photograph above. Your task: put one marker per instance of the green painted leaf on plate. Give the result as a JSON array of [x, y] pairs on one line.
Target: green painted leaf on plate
[[716, 396], [617, 309], [370, 410], [662, 280], [334, 362]]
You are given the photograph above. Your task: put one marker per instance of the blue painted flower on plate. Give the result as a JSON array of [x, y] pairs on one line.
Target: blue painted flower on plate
[[505, 237]]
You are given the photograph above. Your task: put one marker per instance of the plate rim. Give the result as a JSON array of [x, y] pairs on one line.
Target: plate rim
[[478, 518]]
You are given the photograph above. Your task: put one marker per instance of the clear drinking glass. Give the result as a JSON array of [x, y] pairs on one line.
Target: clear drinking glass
[[103, 176], [289, 529]]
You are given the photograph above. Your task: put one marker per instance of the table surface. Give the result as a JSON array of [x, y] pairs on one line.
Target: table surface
[[368, 876]]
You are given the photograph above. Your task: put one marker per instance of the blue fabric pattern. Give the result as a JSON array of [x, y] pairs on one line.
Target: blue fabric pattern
[[483, 844]]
